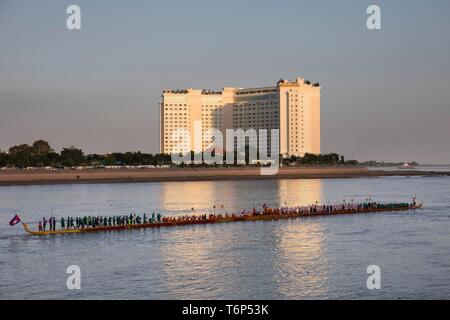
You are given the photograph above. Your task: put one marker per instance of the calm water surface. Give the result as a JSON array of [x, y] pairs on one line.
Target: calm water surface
[[310, 258], [428, 168]]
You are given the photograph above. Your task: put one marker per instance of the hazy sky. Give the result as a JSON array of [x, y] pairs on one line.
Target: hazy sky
[[385, 93]]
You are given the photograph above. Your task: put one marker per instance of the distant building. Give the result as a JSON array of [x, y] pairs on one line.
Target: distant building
[[293, 107]]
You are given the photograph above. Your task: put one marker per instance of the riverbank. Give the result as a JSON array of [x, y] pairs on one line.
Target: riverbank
[[8, 178]]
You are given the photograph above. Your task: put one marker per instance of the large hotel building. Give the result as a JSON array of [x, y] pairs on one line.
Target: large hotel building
[[293, 107]]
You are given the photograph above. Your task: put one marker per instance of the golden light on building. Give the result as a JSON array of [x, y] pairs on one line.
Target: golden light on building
[[293, 107]]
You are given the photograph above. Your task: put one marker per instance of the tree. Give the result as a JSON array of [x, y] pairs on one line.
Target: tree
[[42, 147], [4, 159], [72, 156], [23, 149], [21, 155], [53, 159]]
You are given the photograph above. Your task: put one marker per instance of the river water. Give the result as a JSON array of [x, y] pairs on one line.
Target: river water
[[308, 258]]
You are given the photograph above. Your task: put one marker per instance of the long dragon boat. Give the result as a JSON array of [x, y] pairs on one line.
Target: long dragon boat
[[220, 219]]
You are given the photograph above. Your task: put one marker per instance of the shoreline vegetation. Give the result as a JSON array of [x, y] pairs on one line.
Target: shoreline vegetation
[[39, 164], [41, 155], [123, 175]]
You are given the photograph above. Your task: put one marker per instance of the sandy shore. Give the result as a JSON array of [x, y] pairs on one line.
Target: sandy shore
[[192, 174]]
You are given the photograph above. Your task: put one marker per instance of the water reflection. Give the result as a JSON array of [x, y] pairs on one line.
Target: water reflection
[[187, 265], [290, 259], [293, 250], [181, 197], [301, 261], [299, 192], [234, 196], [211, 261]]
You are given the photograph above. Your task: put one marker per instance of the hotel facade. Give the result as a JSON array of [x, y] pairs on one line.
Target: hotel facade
[[292, 107]]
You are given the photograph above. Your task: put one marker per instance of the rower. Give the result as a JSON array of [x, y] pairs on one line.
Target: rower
[[40, 226]]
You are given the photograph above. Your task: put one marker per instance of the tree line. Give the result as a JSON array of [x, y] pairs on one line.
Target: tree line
[[41, 154], [320, 159]]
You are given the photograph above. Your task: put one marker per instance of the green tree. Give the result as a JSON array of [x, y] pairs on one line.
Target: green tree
[[23, 149], [53, 159], [21, 155], [72, 157], [42, 147], [4, 159]]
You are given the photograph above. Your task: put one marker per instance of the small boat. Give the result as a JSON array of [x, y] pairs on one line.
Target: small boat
[[406, 166], [219, 219]]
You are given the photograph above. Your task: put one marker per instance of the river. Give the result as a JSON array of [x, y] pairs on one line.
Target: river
[[305, 258]]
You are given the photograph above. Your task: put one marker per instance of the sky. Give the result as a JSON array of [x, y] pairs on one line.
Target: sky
[[385, 93]]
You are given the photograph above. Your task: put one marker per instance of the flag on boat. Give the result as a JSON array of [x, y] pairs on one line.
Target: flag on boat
[[14, 220]]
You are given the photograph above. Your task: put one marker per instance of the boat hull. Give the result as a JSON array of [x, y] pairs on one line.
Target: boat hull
[[266, 217]]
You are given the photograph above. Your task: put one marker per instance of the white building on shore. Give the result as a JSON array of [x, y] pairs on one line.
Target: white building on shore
[[293, 107]]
